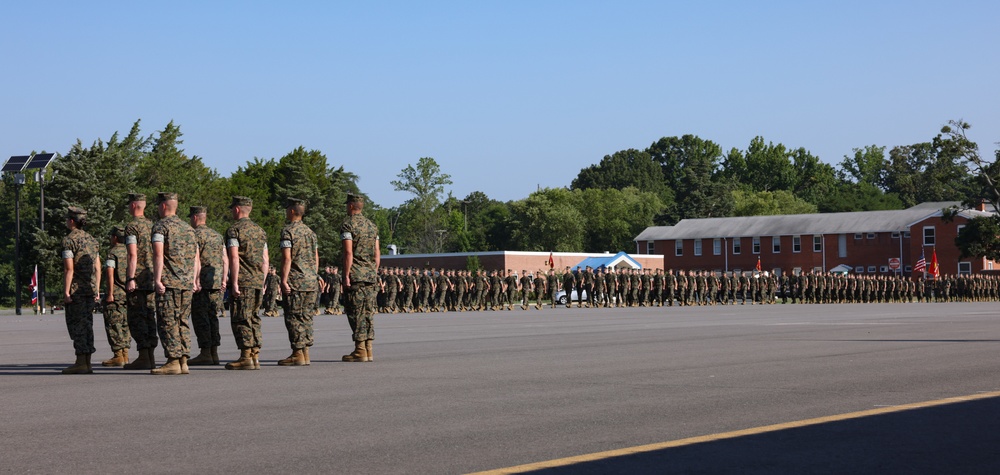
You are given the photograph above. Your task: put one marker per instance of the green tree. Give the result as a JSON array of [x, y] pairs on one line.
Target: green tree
[[867, 165], [689, 166], [422, 221], [626, 168], [614, 217], [762, 203], [547, 220]]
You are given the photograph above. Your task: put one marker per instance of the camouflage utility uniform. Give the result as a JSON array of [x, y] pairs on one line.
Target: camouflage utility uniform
[[300, 304], [206, 305], [173, 306], [81, 248]]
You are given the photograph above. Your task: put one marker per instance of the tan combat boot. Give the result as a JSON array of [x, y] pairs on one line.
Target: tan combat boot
[[204, 358], [245, 361], [142, 361], [255, 357], [305, 355], [119, 359], [172, 366], [359, 355], [82, 366], [368, 349], [297, 358], [215, 355], [184, 365]]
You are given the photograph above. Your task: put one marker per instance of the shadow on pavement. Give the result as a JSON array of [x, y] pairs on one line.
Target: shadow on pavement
[[960, 438]]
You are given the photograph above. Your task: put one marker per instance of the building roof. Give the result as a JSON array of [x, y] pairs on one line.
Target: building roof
[[622, 259], [795, 224]]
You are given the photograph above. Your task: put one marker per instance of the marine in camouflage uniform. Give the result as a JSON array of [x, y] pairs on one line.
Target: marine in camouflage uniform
[[270, 299], [82, 265], [299, 281], [539, 288], [206, 304], [525, 283], [246, 244], [115, 306], [139, 284], [333, 301], [361, 260], [176, 264]]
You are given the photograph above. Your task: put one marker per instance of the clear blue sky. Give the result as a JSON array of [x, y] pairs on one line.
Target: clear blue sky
[[507, 96]]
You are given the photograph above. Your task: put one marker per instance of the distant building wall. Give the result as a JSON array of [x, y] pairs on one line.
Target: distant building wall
[[503, 260]]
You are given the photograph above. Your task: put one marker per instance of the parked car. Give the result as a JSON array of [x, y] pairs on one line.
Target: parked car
[[561, 296]]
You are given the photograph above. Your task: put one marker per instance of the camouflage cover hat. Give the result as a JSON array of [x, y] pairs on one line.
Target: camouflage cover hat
[[197, 210], [352, 198], [132, 197], [165, 196], [118, 232], [241, 201], [289, 202], [76, 212]]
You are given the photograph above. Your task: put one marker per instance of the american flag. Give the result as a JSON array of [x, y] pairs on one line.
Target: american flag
[[921, 264], [34, 286]]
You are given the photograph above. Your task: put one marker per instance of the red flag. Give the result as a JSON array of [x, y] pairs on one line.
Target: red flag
[[552, 262], [758, 263], [34, 286], [935, 271]]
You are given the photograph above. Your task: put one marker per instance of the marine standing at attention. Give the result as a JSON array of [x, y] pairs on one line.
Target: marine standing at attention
[[246, 244], [81, 287], [206, 304], [115, 309], [139, 284], [176, 265], [361, 260], [299, 281]]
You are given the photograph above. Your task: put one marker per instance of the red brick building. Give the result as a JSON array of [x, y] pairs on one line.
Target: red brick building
[[861, 242]]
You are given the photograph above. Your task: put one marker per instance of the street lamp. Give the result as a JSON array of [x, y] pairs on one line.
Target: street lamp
[[18, 183]]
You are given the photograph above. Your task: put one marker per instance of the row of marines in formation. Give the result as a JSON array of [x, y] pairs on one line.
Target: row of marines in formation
[[159, 275], [410, 290]]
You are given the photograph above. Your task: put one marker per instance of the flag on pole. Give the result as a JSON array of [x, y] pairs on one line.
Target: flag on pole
[[758, 263], [552, 262], [34, 286], [921, 264], [935, 271]]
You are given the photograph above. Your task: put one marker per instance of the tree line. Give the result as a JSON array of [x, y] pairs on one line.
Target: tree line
[[606, 205]]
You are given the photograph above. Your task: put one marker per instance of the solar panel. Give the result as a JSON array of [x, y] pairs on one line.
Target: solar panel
[[40, 160], [15, 163]]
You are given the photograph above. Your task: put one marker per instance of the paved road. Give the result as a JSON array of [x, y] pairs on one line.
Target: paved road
[[453, 393]]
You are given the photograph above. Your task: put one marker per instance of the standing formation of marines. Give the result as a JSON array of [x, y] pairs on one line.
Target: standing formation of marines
[[165, 276]]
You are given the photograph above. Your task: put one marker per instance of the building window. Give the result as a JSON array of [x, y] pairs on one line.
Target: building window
[[842, 246], [929, 235], [796, 271], [679, 247], [817, 243], [775, 244], [883, 269], [697, 247], [717, 246], [870, 236], [964, 268], [859, 269], [756, 246], [796, 243], [857, 235], [908, 269], [959, 229], [650, 248], [906, 235], [737, 247], [895, 234], [871, 269]]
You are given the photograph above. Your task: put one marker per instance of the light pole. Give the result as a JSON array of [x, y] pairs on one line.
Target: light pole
[[18, 183]]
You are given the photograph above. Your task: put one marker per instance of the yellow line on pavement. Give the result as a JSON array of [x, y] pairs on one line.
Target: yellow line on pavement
[[730, 435]]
